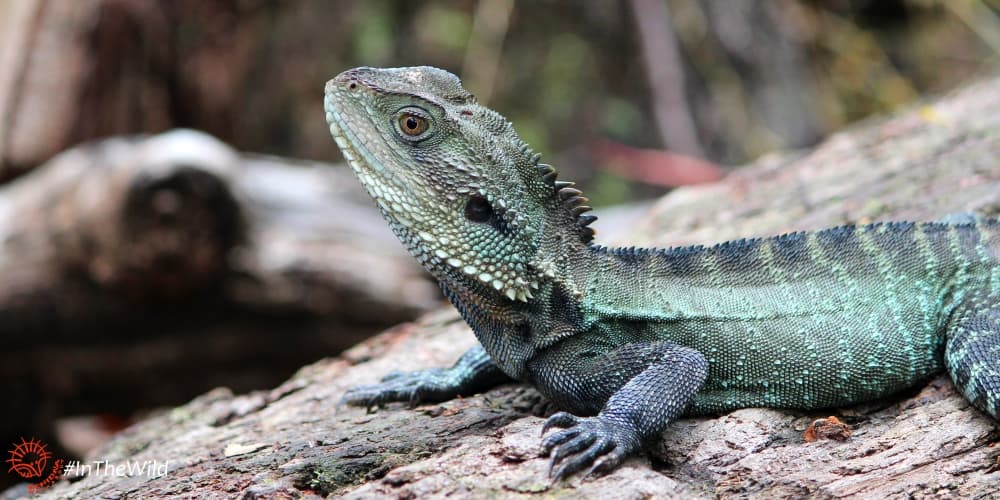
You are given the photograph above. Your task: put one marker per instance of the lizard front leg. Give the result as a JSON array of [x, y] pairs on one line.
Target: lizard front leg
[[473, 372], [652, 384]]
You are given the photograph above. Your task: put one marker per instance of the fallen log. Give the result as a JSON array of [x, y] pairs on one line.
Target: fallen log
[[293, 441]]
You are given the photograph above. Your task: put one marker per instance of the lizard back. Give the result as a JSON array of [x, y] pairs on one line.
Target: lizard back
[[811, 319]]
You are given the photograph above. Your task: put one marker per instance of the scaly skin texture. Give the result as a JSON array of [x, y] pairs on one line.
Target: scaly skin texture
[[627, 340]]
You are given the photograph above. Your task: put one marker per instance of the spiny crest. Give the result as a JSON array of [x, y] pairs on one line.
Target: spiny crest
[[570, 198]]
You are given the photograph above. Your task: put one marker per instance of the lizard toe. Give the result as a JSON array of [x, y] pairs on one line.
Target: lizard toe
[[365, 395], [558, 438], [600, 443], [561, 420], [576, 462], [573, 445], [609, 462], [411, 388]]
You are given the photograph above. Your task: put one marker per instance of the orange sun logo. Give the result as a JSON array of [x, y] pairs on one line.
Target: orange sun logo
[[29, 458]]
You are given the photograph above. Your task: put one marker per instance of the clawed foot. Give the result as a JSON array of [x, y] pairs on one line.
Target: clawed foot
[[595, 442], [409, 387]]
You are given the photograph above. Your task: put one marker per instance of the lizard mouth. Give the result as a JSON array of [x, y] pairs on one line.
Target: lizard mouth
[[356, 136]]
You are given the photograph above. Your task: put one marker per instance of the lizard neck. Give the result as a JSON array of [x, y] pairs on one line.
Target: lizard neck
[[514, 331]]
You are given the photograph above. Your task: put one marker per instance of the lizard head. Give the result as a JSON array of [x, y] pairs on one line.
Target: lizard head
[[457, 185]]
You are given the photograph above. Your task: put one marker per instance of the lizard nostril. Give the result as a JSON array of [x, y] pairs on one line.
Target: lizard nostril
[[353, 85]]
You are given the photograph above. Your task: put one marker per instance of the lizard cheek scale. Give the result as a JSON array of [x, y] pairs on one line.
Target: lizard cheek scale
[[627, 340]]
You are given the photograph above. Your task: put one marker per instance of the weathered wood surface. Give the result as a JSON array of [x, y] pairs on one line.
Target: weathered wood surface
[[174, 259], [294, 441]]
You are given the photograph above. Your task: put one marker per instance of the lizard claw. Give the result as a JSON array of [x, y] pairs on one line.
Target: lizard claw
[[561, 420], [597, 442]]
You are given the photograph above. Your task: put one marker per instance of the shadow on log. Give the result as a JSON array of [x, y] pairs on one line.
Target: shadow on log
[[293, 441]]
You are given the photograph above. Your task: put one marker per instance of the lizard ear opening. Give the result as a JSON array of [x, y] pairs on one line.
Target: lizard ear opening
[[478, 209]]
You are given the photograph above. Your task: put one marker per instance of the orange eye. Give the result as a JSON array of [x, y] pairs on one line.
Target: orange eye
[[412, 125]]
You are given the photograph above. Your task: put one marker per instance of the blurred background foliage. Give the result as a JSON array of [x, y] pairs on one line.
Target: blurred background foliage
[[586, 83], [758, 76]]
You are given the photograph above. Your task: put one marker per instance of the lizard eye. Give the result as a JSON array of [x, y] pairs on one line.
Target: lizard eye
[[477, 209], [412, 125]]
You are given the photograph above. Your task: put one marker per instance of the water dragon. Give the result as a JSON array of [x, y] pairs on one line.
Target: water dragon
[[626, 340]]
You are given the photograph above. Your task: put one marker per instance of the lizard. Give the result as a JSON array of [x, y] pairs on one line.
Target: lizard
[[626, 340]]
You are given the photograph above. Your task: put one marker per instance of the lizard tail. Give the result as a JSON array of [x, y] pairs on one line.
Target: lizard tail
[[972, 356]]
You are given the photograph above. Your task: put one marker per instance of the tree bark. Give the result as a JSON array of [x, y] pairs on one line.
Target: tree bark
[[295, 441]]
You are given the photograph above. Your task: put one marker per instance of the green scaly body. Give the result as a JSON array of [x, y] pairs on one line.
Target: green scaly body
[[630, 339], [806, 320]]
